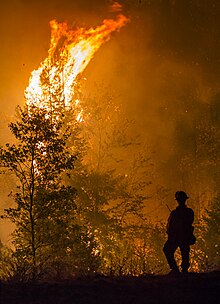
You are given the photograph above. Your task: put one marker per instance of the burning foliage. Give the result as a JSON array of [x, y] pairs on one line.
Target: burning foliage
[[70, 52]]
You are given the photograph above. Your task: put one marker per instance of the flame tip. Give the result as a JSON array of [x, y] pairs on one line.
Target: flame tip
[[70, 52]]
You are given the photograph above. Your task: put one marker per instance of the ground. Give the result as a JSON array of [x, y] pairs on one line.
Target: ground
[[186, 289]]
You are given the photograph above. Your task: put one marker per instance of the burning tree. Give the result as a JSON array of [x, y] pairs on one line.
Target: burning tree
[[45, 207], [70, 52], [53, 224]]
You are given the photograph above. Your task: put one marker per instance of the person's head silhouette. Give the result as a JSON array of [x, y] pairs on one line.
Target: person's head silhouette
[[181, 197]]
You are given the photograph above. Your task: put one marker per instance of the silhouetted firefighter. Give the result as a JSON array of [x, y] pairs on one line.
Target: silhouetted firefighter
[[180, 234]]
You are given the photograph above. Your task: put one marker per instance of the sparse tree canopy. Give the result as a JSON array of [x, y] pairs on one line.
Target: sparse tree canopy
[[43, 203]]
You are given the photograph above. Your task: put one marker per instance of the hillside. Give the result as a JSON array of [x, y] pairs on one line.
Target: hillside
[[193, 288]]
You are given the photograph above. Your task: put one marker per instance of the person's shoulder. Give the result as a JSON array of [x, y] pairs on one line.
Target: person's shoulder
[[190, 211], [173, 212]]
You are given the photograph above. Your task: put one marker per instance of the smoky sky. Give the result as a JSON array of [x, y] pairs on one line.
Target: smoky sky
[[165, 39]]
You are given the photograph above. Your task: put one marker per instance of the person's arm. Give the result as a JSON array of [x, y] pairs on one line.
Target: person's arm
[[170, 223]]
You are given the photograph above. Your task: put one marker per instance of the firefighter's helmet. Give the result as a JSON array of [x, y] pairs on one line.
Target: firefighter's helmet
[[181, 195]]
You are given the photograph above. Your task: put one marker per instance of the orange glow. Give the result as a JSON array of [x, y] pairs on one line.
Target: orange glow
[[70, 52]]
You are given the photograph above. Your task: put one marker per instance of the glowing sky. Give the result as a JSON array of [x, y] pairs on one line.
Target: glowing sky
[[164, 37], [167, 46]]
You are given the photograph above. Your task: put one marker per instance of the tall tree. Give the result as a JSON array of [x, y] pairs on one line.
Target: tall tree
[[38, 159]]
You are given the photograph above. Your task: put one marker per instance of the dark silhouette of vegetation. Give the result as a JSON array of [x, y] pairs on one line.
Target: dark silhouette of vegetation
[[38, 159]]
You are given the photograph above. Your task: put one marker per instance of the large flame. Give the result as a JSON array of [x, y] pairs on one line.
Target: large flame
[[70, 52]]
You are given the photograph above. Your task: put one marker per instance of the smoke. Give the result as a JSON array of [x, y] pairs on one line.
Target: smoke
[[115, 7], [165, 66]]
